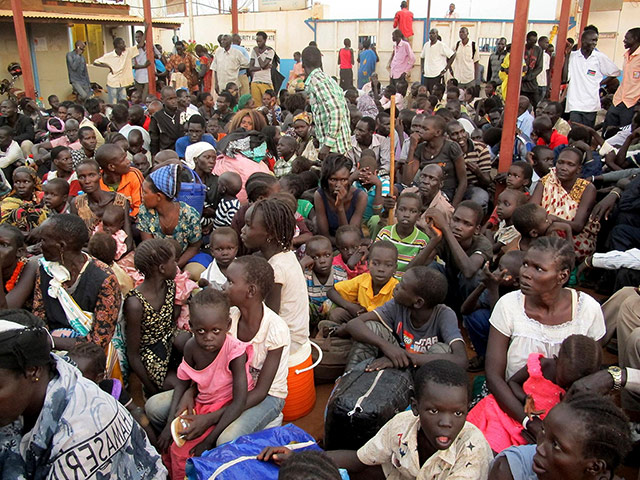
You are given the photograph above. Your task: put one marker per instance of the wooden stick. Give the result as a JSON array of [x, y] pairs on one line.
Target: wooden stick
[[392, 164]]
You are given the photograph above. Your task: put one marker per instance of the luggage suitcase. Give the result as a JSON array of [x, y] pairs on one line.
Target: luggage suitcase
[[335, 352], [361, 403]]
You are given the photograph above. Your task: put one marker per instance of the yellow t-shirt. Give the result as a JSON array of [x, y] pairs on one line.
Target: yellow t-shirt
[[360, 290]]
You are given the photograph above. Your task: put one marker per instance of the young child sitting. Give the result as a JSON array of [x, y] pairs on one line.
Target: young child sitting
[[508, 201], [477, 307], [294, 184], [141, 162], [321, 275], [103, 247], [218, 364], [538, 387], [366, 178], [404, 234], [431, 441], [229, 185], [353, 249], [517, 178], [286, 148], [56, 195], [92, 362], [251, 279], [409, 329], [61, 157], [532, 221], [367, 291], [223, 246], [112, 223]]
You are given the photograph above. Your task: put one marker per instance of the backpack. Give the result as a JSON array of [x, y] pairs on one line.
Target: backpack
[[473, 47]]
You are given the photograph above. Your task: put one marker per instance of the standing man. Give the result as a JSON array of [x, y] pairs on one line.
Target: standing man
[[404, 21], [585, 70], [533, 66], [544, 77], [140, 64], [402, 58], [227, 63], [165, 127], [260, 67], [243, 79], [465, 64], [495, 62], [628, 93], [328, 106], [451, 13], [120, 72], [77, 70], [436, 59]]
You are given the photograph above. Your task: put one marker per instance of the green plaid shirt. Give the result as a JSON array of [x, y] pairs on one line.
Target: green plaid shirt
[[330, 113]]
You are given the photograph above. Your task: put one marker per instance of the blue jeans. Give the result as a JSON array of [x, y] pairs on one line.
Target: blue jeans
[[477, 325], [253, 420], [116, 93]]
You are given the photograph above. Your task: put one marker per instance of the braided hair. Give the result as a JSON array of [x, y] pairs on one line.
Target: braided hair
[[606, 433], [310, 465], [152, 253], [279, 221], [563, 253]]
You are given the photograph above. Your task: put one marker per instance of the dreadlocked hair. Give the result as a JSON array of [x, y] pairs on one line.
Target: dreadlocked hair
[[606, 433], [279, 221], [152, 253], [310, 465]]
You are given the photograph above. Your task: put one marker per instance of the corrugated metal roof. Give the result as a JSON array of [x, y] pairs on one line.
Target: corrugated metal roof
[[82, 17]]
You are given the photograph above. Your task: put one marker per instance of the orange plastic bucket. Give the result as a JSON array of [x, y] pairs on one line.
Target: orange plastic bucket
[[302, 392]]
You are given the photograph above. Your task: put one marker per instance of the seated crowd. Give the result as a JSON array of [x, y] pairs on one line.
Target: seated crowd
[[196, 249]]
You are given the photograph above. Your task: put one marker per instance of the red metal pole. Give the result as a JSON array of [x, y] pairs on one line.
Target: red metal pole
[[148, 32], [234, 16], [513, 86], [584, 18], [23, 49], [379, 8], [558, 61]]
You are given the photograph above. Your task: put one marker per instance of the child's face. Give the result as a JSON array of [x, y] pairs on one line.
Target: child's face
[[169, 269], [254, 234], [141, 162], [404, 293], [322, 255], [408, 212], [507, 203], [286, 148], [516, 179], [543, 162], [443, 411], [464, 224], [54, 102], [347, 243], [542, 222], [112, 223], [213, 127], [53, 199], [382, 263], [209, 325], [237, 287], [223, 248], [63, 161], [135, 145], [513, 268]]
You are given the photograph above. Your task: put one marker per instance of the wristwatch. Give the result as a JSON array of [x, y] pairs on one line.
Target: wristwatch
[[616, 374]]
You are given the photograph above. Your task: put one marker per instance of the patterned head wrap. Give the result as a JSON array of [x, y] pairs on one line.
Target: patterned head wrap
[[304, 116], [165, 179], [34, 177]]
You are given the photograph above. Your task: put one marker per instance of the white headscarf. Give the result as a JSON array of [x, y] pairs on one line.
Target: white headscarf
[[194, 150]]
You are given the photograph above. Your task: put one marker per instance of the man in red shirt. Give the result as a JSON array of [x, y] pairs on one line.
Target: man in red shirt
[[544, 134], [404, 21]]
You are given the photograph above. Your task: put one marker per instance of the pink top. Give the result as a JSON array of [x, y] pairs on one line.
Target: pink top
[[345, 58], [215, 382], [243, 166], [63, 141], [403, 59], [361, 267], [545, 393]]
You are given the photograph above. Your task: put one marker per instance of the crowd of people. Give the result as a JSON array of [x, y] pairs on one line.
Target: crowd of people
[[199, 240]]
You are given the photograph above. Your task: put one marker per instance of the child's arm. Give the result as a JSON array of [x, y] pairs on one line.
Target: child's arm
[[346, 459], [361, 333], [133, 312], [353, 308], [471, 303], [428, 253], [516, 382], [458, 355], [231, 411]]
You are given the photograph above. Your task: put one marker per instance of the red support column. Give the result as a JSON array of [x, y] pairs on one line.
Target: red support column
[[379, 8], [558, 61], [148, 32], [23, 49], [234, 16], [584, 18], [513, 89]]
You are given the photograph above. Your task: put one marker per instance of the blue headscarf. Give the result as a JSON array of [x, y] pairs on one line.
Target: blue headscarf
[[165, 179]]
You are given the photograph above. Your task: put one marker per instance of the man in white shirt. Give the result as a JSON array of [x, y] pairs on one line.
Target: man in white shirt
[[465, 63], [437, 58], [140, 64], [119, 63], [585, 70], [227, 63], [543, 77]]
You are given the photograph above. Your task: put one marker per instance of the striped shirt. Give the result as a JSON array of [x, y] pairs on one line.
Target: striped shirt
[[478, 153], [407, 247], [371, 195], [318, 291], [225, 212], [330, 113]]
